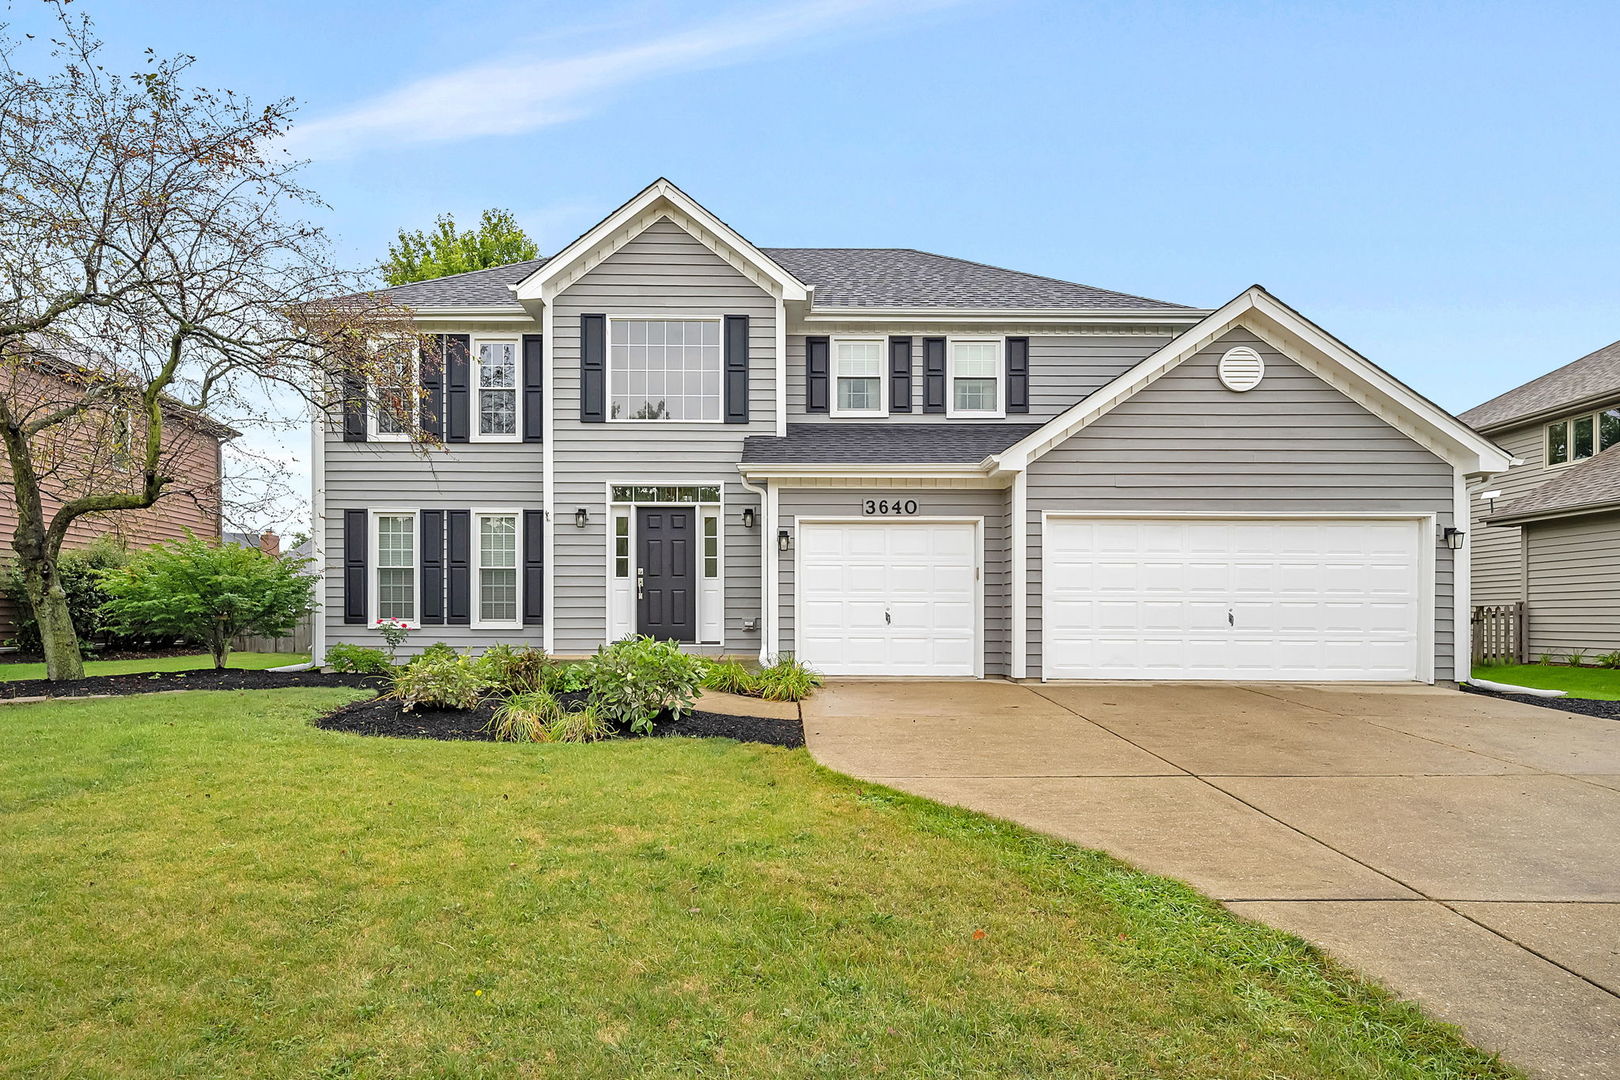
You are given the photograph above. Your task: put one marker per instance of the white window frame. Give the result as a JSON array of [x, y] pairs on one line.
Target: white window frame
[[374, 409], [474, 373], [607, 367], [478, 513], [882, 376], [1000, 411], [1596, 416], [374, 564]]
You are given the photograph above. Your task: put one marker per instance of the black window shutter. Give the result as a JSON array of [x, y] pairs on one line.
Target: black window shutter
[[592, 369], [933, 374], [1018, 374], [534, 565], [458, 567], [431, 367], [354, 409], [457, 388], [355, 553], [736, 368], [816, 370], [432, 566], [534, 388], [899, 374]]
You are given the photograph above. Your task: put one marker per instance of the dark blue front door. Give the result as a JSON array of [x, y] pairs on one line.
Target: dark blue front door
[[666, 572]]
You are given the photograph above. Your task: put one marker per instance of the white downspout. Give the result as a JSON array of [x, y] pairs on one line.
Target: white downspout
[[768, 571], [1020, 575]]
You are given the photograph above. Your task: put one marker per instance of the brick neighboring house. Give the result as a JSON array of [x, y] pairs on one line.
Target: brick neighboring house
[[192, 501]]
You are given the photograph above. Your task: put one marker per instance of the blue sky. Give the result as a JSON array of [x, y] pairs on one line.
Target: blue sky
[[1435, 183]]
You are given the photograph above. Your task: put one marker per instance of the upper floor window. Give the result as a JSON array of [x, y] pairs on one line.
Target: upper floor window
[[1579, 437], [496, 383], [858, 377], [393, 392], [396, 566], [974, 370], [665, 369]]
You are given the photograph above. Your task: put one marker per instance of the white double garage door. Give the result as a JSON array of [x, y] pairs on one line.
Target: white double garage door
[[1125, 598]]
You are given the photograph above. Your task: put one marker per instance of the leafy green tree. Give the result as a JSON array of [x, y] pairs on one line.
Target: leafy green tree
[[445, 249], [207, 593]]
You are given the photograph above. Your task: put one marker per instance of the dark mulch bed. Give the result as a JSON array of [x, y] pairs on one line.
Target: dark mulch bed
[[384, 716], [1607, 710], [153, 653], [200, 679]]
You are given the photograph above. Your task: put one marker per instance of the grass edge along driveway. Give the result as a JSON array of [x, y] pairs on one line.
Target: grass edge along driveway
[[200, 884], [1602, 684]]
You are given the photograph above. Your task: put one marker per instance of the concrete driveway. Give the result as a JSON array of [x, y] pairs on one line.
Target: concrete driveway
[[1463, 850]]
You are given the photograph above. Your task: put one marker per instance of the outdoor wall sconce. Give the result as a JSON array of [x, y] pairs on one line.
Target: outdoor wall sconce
[[782, 540], [581, 516], [748, 517], [1452, 537]]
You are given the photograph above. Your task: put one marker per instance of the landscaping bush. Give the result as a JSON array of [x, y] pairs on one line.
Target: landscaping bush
[[1609, 660], [446, 682], [439, 650], [729, 677], [206, 593], [80, 575], [632, 681], [356, 658], [540, 717], [516, 671], [561, 678], [786, 680], [1576, 658]]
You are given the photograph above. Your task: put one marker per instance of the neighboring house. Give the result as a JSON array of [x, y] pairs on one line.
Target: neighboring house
[[267, 541], [888, 462], [1550, 535]]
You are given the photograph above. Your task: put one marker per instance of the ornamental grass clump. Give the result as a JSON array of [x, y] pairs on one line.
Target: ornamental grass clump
[[729, 677], [787, 679]]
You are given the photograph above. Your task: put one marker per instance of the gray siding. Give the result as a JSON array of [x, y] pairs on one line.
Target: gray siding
[[1498, 565], [663, 270], [1293, 444], [989, 504], [1574, 585], [1062, 370]]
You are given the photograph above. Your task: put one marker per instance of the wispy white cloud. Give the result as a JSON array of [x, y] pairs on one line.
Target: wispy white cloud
[[517, 95]]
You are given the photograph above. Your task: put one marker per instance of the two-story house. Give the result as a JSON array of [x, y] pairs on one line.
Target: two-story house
[[1547, 533], [888, 462]]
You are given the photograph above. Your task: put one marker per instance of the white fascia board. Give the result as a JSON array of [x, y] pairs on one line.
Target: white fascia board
[[840, 470], [641, 211], [478, 314], [999, 315]]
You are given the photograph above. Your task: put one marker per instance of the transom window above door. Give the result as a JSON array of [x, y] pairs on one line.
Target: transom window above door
[[858, 377], [975, 375], [1580, 437], [497, 390], [664, 369]]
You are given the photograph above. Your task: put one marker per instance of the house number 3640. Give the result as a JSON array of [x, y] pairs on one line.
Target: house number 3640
[[889, 506]]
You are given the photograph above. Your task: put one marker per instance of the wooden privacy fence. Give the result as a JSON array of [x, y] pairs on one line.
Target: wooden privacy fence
[[299, 641], [1499, 634]]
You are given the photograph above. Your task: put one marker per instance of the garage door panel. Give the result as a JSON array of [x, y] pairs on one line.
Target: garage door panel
[[1307, 599]]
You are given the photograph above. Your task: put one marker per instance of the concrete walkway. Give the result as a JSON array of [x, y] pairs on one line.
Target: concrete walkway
[[1463, 850]]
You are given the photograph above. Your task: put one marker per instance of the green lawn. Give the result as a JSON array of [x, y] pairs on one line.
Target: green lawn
[[201, 885], [1600, 683], [251, 660]]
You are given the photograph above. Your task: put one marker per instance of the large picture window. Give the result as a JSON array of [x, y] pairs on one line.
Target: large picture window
[[396, 567], [1580, 437], [664, 369], [497, 390], [497, 569], [858, 376], [975, 377]]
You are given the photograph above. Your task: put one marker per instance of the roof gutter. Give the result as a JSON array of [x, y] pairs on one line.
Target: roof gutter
[[1531, 516], [854, 470], [1050, 315]]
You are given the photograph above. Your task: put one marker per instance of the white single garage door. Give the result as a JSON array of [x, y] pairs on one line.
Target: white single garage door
[[888, 598], [1231, 599]]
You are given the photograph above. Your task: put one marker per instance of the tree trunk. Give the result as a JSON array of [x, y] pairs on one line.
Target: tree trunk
[[220, 646], [58, 640]]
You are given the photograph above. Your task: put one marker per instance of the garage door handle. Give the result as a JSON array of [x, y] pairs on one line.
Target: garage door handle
[[1231, 620], [887, 621]]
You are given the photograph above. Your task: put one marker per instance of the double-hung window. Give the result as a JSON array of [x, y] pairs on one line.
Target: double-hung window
[[496, 387], [664, 369], [974, 371], [496, 562], [393, 391], [860, 388], [396, 566], [1580, 437]]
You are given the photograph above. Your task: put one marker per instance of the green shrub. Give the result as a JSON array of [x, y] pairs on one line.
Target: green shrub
[[525, 717], [516, 671], [446, 682], [356, 658], [1609, 659], [1546, 659], [786, 680], [729, 677], [1576, 658], [439, 650], [632, 681], [561, 678], [80, 575]]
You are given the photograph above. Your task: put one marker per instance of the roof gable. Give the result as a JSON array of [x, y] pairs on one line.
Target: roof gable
[[1585, 381]]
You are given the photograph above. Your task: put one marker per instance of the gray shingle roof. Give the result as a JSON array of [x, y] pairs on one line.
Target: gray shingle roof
[[1592, 484], [1592, 376], [842, 278], [892, 443]]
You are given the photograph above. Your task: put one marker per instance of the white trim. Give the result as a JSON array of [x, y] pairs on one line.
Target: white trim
[[773, 562], [768, 585], [897, 470], [1000, 315], [1569, 419], [633, 505], [317, 502], [374, 409], [781, 368], [1427, 542], [976, 520], [660, 199], [607, 366], [503, 313], [475, 392], [548, 484], [951, 411], [477, 583], [1462, 568], [1018, 659], [882, 375], [373, 565]]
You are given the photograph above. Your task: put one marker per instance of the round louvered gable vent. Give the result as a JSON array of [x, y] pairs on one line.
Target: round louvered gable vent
[[1241, 369]]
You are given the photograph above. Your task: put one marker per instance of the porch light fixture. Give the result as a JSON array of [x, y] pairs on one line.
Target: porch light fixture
[[581, 516], [783, 542], [748, 517], [1452, 537]]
